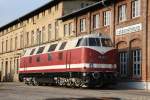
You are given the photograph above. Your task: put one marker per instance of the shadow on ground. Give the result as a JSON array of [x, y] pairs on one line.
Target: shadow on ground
[[103, 98]]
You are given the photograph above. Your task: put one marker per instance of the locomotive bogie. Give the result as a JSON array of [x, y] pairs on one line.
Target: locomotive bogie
[[70, 79]]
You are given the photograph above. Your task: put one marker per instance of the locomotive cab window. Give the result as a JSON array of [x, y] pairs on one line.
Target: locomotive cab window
[[82, 42], [89, 42], [106, 42], [40, 50], [62, 45], [52, 47], [94, 42]]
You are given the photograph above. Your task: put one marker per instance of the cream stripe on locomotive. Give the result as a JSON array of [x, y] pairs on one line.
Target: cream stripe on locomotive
[[84, 65]]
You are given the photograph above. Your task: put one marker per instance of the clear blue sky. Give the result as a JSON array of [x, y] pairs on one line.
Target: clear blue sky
[[12, 9]]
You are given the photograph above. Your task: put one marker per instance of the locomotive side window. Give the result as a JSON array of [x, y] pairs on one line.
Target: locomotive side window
[[82, 42], [52, 47], [62, 45], [106, 42], [40, 50], [32, 52]]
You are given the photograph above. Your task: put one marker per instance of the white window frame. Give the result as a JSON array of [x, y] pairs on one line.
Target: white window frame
[[71, 28], [49, 32], [96, 21], [43, 33], [136, 8], [66, 29], [122, 13], [82, 25], [123, 56], [136, 63], [16, 41], [32, 37], [2, 46], [107, 18], [21, 42]]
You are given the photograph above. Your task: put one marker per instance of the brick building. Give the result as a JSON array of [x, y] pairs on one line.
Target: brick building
[[127, 23], [35, 28]]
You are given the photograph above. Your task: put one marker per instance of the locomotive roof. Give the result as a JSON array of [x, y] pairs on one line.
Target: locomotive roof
[[71, 45]]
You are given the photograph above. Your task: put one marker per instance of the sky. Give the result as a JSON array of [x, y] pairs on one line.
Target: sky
[[13, 9]]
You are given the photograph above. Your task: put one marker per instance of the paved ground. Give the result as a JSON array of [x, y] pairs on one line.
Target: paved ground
[[19, 91]]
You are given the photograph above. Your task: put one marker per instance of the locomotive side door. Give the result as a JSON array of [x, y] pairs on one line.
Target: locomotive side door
[[25, 65], [68, 59]]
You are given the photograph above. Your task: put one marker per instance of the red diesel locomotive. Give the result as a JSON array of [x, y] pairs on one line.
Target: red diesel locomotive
[[82, 61]]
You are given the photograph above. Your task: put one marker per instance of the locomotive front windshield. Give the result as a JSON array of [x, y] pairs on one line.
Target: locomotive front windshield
[[105, 42]]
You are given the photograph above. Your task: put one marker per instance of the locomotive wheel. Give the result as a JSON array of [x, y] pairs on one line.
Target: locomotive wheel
[[77, 83], [35, 82], [30, 83], [61, 82], [57, 81], [69, 83]]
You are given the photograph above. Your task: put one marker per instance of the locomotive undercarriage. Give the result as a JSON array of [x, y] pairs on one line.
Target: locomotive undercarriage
[[69, 79]]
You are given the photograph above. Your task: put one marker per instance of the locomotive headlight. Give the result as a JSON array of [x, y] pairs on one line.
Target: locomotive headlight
[[114, 66], [84, 74]]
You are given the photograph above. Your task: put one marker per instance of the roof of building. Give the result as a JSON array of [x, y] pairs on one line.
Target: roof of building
[[80, 11], [92, 7], [30, 14]]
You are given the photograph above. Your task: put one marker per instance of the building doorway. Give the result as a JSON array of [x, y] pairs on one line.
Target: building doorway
[[136, 59], [6, 71], [123, 63]]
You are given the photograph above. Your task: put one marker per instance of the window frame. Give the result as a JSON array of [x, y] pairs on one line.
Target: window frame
[[96, 21], [66, 29], [83, 25], [122, 12], [136, 9], [107, 18], [71, 28], [123, 63], [136, 59]]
